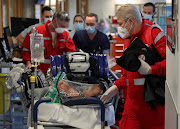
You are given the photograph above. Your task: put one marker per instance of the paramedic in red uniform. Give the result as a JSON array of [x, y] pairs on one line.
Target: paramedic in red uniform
[[137, 113], [56, 40]]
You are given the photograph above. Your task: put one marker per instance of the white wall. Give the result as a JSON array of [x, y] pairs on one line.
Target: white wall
[[71, 11], [172, 70], [103, 8], [137, 1], [173, 73], [38, 12], [106, 8], [29, 8], [5, 24], [173, 80]]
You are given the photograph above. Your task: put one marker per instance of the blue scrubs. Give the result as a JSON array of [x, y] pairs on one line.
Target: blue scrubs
[[99, 44]]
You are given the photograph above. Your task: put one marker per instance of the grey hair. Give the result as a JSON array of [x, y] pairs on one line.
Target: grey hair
[[63, 16], [128, 10]]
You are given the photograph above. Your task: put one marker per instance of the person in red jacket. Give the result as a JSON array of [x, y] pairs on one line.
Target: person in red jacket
[[149, 12], [137, 113], [56, 40]]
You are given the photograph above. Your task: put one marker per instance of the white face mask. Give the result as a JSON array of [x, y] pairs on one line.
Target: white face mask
[[59, 30], [46, 19], [123, 32]]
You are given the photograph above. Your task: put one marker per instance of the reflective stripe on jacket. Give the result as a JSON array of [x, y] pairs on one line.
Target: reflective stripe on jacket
[[133, 80], [63, 44]]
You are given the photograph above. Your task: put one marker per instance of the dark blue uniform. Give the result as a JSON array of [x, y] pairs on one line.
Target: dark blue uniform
[[99, 44]]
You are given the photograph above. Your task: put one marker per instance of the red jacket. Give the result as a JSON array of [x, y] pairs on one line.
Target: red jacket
[[63, 44], [159, 41], [134, 82]]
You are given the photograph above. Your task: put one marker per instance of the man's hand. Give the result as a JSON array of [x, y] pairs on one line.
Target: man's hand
[[20, 38], [145, 68], [112, 91], [28, 63]]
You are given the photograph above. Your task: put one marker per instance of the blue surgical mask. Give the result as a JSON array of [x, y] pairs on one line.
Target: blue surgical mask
[[145, 16], [78, 26], [90, 29], [46, 19]]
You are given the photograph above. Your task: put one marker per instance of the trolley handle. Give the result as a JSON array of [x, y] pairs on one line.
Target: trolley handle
[[91, 99], [36, 106]]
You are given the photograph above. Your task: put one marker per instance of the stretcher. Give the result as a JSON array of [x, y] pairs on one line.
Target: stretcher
[[100, 115], [89, 100], [84, 113]]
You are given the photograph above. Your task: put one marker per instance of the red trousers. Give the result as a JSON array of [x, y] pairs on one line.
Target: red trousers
[[138, 115]]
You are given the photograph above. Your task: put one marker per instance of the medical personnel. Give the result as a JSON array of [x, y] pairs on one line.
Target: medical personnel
[[103, 26], [46, 14], [56, 40], [137, 113], [148, 14], [78, 23], [92, 40]]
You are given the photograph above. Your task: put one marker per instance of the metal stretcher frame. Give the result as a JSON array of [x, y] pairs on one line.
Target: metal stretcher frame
[[85, 100], [103, 70], [90, 100]]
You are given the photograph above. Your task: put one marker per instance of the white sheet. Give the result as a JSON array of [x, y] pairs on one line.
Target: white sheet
[[79, 117]]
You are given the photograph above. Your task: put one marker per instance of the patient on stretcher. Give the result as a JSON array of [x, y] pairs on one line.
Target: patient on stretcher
[[69, 91]]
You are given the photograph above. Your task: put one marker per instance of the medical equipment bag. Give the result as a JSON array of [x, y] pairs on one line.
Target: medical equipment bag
[[81, 64]]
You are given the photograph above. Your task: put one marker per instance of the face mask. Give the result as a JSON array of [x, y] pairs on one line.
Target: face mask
[[78, 26], [59, 30], [102, 24], [123, 32], [145, 16], [90, 29], [46, 19]]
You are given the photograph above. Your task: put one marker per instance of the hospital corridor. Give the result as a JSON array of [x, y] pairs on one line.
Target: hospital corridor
[[89, 64]]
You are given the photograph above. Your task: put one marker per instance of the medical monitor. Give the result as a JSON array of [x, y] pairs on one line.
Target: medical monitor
[[8, 38], [19, 24], [2, 52]]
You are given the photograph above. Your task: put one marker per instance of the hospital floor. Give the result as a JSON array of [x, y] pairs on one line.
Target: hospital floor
[[19, 119]]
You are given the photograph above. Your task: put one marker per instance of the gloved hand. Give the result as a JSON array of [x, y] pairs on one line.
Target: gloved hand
[[112, 91], [144, 68]]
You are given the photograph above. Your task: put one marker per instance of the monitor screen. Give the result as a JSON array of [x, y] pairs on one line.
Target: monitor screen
[[19, 24], [2, 52], [8, 38]]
